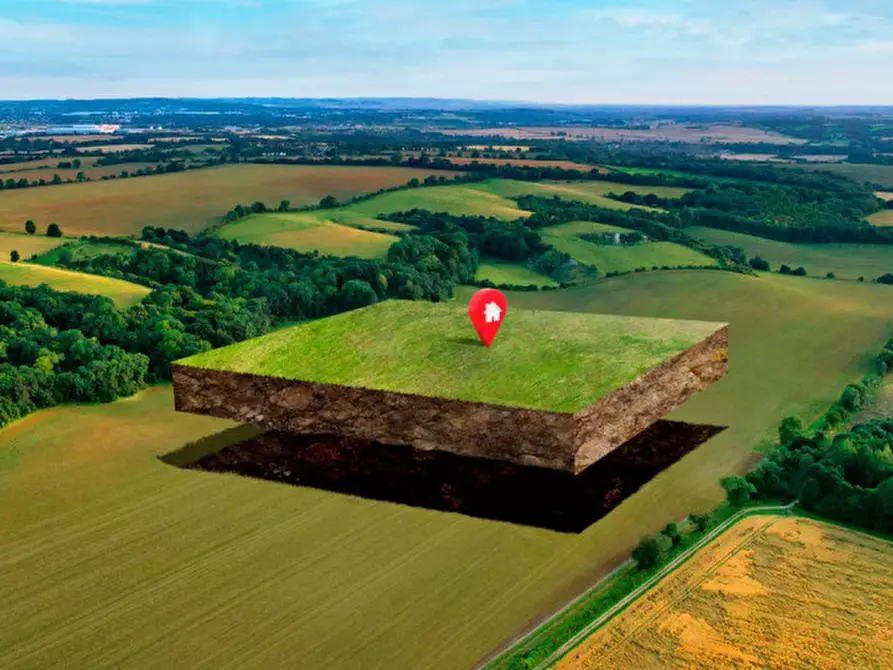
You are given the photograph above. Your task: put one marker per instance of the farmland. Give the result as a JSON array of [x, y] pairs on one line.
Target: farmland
[[607, 258], [876, 174], [846, 261], [673, 132], [511, 273], [122, 293], [882, 218], [309, 232], [27, 245], [175, 562], [769, 592], [187, 200]]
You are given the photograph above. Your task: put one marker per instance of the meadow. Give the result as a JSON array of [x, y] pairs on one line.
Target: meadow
[[187, 200], [114, 559], [607, 258], [769, 592], [27, 245], [511, 273], [846, 261], [876, 174], [122, 293]]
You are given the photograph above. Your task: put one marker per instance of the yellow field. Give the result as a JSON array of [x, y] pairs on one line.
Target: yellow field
[[122, 293], [111, 148], [27, 245], [187, 200], [884, 195], [882, 218], [771, 592]]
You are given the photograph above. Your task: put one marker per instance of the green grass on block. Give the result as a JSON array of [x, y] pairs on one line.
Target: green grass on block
[[541, 360], [511, 273]]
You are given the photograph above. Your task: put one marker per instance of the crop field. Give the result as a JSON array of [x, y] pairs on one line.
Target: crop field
[[27, 245], [122, 293], [309, 232], [187, 200], [511, 273], [565, 238], [112, 148], [882, 218], [884, 195], [523, 162], [846, 261], [769, 592], [91, 171], [176, 562]]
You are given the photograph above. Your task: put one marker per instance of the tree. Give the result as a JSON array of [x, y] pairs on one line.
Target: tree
[[284, 206], [328, 202], [53, 230], [80, 177], [56, 179], [357, 293], [701, 521], [799, 272], [790, 430], [830, 275], [14, 256], [647, 553], [738, 490], [785, 269], [672, 532], [885, 279], [758, 263], [76, 163], [30, 227]]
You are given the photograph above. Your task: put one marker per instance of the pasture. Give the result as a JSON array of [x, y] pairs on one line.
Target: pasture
[[769, 592], [511, 273], [176, 562], [846, 261], [309, 232], [187, 200], [122, 293], [607, 258]]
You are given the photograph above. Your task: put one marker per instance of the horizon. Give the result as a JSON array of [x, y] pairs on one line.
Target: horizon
[[662, 53]]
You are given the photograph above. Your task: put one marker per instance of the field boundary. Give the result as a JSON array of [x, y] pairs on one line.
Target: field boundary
[[627, 600]]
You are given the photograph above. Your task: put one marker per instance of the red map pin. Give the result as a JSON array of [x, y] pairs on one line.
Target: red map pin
[[487, 311]]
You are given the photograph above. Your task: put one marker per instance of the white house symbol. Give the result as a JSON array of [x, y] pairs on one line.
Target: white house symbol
[[492, 312]]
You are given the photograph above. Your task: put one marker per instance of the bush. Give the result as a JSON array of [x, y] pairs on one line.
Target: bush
[[758, 263], [885, 279], [14, 256], [647, 553], [799, 272], [53, 230], [30, 227]]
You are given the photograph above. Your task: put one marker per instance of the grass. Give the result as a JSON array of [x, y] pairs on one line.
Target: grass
[[27, 245], [113, 559], [565, 238], [592, 192], [846, 261], [511, 273], [876, 174], [83, 249], [308, 232], [770, 591], [122, 293], [187, 200], [557, 362]]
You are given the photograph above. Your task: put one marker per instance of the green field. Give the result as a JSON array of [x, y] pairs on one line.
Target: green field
[[558, 362], [188, 200], [27, 245], [846, 261], [308, 232], [511, 273], [114, 559], [565, 238], [592, 192], [122, 293], [82, 250], [862, 172]]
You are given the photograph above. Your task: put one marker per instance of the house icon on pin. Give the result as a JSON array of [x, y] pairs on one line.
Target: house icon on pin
[[492, 312]]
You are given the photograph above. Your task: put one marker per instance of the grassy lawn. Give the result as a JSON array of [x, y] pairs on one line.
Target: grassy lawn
[[122, 293], [188, 200], [309, 232], [114, 559], [27, 245], [565, 238], [846, 261], [788, 591], [511, 273], [557, 362]]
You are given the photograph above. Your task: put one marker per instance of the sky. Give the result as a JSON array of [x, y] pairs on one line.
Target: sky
[[811, 52]]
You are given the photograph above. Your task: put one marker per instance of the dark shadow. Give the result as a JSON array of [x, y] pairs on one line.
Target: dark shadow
[[482, 488], [467, 341]]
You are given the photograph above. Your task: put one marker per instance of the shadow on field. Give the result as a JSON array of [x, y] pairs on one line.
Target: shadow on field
[[481, 488]]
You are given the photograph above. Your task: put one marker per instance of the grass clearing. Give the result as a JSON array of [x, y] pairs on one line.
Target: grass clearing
[[511, 273], [188, 200], [122, 293], [607, 258], [424, 349], [769, 592], [846, 261], [113, 559], [27, 245], [308, 232]]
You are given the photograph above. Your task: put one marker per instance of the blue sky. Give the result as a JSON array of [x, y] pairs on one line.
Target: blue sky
[[574, 51]]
